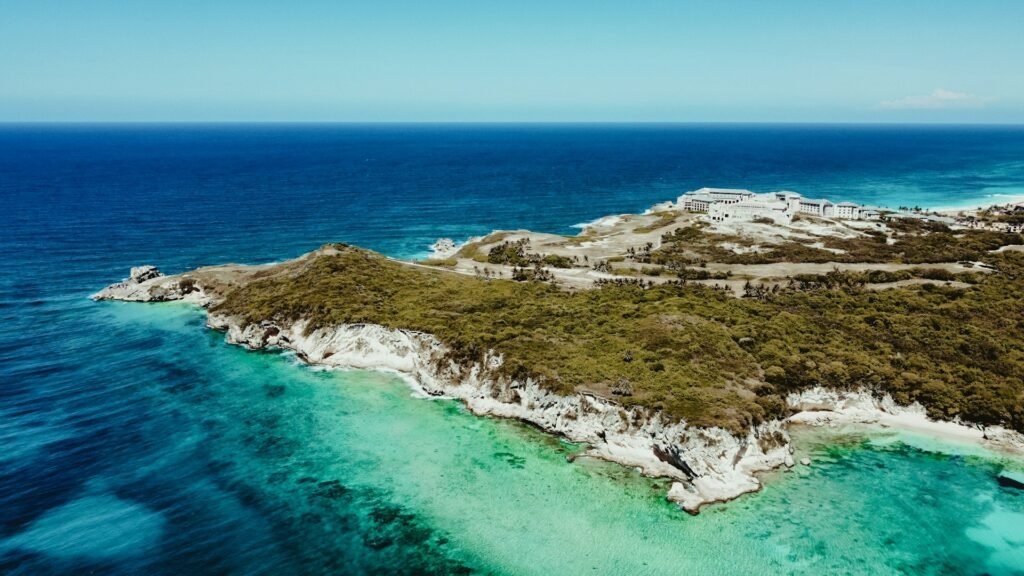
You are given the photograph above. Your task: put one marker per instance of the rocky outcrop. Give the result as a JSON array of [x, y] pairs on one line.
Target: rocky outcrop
[[1011, 479], [825, 407], [444, 248], [707, 464], [825, 403], [140, 274], [148, 284]]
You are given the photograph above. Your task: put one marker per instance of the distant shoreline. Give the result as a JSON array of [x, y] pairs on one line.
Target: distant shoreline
[[485, 123]]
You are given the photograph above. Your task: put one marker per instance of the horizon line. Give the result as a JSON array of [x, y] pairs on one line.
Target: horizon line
[[495, 123]]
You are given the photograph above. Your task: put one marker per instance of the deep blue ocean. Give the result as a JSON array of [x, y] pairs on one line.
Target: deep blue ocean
[[132, 440]]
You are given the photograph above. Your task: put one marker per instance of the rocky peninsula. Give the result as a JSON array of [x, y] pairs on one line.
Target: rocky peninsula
[[665, 342]]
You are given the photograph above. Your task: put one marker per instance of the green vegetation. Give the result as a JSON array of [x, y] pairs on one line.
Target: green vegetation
[[1005, 215], [511, 253], [916, 242], [587, 235], [556, 261], [443, 262], [697, 353], [847, 278], [642, 271], [685, 273], [651, 271], [516, 254], [959, 352], [664, 219], [471, 250]]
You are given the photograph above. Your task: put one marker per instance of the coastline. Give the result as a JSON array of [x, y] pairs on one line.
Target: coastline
[[829, 408], [706, 465], [717, 467], [623, 441], [988, 201]]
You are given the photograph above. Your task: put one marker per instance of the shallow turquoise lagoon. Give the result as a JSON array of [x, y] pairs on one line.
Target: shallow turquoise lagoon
[[342, 472]]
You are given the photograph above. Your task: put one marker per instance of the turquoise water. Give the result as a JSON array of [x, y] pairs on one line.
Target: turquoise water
[[359, 476], [135, 441]]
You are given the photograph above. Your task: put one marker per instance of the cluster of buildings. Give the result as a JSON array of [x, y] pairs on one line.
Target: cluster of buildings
[[994, 218], [976, 224], [723, 204]]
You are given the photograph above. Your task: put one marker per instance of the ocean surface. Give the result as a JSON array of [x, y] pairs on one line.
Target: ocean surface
[[134, 441]]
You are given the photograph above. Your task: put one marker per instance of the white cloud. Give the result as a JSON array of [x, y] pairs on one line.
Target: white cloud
[[939, 99]]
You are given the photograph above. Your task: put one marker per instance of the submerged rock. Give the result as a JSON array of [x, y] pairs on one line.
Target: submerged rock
[[1011, 479]]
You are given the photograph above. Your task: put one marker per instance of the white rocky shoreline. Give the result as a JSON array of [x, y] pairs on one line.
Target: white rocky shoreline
[[706, 465]]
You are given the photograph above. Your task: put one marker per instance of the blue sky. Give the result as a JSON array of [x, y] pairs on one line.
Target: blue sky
[[781, 60]]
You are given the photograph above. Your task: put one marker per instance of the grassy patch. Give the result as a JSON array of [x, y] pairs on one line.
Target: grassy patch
[[442, 262], [664, 219], [472, 250]]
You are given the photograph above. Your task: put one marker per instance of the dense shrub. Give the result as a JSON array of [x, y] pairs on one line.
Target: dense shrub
[[917, 243]]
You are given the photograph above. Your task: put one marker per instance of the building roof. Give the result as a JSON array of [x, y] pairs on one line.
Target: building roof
[[734, 191], [698, 197], [760, 199], [822, 201], [848, 204]]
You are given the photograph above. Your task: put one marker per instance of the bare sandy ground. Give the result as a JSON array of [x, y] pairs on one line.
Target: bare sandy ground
[[610, 238]]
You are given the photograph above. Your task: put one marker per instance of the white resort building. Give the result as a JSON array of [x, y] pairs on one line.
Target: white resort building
[[695, 202], [822, 208], [757, 206], [847, 210], [723, 204], [726, 195]]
